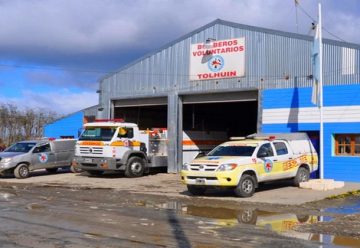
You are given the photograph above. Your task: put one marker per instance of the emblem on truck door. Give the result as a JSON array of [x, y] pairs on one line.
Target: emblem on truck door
[[43, 158], [268, 165]]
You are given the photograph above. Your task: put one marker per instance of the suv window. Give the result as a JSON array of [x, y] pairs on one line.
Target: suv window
[[280, 148], [265, 151], [43, 148]]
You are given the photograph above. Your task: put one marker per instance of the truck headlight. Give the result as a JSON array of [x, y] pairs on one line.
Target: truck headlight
[[186, 166], [5, 160], [227, 167]]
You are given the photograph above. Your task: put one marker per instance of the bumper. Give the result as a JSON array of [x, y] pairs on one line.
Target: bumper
[[100, 164], [221, 178], [6, 166]]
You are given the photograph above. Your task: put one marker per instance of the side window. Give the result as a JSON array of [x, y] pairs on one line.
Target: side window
[[280, 148], [43, 148], [125, 132], [265, 151]]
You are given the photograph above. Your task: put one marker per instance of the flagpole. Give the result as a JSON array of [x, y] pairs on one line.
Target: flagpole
[[321, 98]]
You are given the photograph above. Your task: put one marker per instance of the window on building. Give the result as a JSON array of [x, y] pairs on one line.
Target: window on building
[[347, 144]]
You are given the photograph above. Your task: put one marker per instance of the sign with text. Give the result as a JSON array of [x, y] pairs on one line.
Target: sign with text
[[223, 59]]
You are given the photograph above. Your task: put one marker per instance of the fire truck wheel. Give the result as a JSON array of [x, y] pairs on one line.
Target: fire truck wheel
[[246, 186], [52, 170], [196, 190], [302, 175], [75, 169], [135, 167], [22, 171]]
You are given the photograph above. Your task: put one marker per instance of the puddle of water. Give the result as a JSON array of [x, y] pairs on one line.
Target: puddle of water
[[349, 207], [282, 223]]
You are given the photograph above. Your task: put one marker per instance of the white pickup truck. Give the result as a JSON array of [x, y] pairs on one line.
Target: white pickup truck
[[245, 162]]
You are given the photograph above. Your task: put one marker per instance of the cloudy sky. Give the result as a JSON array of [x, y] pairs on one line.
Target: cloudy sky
[[52, 52]]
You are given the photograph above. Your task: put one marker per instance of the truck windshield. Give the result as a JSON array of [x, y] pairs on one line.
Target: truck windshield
[[20, 147], [242, 151], [98, 133]]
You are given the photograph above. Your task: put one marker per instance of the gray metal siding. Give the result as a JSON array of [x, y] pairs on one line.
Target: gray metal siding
[[273, 60]]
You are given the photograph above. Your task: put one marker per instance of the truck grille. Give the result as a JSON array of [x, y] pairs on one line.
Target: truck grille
[[91, 150], [203, 167]]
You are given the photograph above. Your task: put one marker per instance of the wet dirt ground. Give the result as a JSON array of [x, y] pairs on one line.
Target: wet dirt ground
[[33, 216]]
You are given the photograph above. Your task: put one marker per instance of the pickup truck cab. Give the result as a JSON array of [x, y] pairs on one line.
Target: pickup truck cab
[[25, 156], [244, 163]]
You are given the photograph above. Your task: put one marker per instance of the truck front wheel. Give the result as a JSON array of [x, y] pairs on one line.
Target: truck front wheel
[[135, 167], [22, 171], [196, 190], [246, 186]]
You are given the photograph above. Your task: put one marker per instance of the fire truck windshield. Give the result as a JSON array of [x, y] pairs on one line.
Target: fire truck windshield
[[241, 151], [98, 133]]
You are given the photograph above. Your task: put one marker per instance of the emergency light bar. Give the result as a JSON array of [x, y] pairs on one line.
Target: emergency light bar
[[109, 120], [237, 138]]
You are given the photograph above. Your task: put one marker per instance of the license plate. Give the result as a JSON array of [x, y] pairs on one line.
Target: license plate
[[200, 181], [88, 160]]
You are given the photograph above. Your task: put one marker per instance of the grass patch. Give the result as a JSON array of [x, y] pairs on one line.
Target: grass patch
[[350, 193]]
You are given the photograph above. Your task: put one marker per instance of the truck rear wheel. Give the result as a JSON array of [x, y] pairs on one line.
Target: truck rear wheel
[[196, 190], [302, 175], [22, 171], [135, 167], [246, 186]]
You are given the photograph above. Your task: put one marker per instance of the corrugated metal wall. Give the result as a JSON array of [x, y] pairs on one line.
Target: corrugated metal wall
[[274, 59]]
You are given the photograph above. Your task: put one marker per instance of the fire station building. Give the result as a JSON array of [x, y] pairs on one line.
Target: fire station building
[[241, 79]]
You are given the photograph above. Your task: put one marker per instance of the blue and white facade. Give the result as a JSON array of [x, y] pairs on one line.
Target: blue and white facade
[[290, 110]]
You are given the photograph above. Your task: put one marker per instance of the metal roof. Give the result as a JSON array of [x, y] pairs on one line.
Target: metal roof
[[234, 25]]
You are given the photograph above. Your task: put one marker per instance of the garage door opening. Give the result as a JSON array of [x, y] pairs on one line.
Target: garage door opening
[[144, 116], [235, 118]]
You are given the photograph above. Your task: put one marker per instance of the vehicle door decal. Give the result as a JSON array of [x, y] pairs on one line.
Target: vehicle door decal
[[43, 157], [268, 165]]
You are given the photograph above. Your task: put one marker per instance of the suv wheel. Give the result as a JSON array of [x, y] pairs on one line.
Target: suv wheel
[[246, 186], [22, 171], [302, 175], [135, 167]]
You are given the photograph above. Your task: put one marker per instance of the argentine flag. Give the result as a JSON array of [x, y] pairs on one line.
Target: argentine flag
[[315, 58]]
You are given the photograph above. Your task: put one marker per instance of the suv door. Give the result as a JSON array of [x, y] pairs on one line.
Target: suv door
[[42, 157], [284, 157], [271, 168]]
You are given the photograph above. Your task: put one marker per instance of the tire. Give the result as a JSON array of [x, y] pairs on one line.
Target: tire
[[246, 186], [303, 218], [75, 170], [95, 173], [196, 190], [52, 170], [302, 175], [247, 216], [135, 167], [22, 171]]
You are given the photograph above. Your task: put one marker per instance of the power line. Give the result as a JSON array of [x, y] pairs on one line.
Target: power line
[[314, 21]]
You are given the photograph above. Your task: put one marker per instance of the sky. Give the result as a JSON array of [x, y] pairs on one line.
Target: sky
[[53, 52]]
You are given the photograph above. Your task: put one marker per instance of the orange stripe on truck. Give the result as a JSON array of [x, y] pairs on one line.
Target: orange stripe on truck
[[201, 142], [122, 143], [92, 143]]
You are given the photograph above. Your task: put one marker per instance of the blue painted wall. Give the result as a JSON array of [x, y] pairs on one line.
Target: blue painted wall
[[335, 167], [67, 126]]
